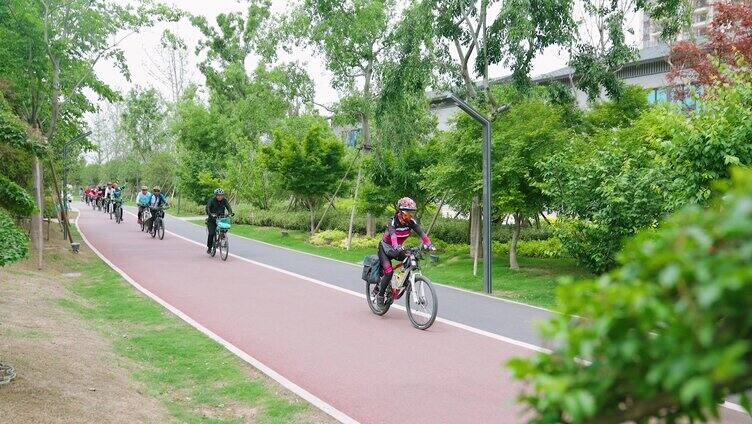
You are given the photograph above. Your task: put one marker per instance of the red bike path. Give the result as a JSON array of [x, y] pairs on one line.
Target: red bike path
[[326, 341]]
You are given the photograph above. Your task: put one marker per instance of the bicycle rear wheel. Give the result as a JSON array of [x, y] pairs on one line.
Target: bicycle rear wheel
[[371, 292], [224, 247], [421, 303]]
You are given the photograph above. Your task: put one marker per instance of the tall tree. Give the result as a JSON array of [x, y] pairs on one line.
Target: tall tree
[[308, 158], [142, 122]]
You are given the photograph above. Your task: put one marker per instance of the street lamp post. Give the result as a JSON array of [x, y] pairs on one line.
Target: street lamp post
[[487, 286]]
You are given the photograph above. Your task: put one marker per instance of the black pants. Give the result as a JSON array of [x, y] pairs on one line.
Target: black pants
[[154, 212], [211, 225], [386, 254]]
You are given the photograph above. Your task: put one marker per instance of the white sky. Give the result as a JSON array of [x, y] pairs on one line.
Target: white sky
[[136, 46]]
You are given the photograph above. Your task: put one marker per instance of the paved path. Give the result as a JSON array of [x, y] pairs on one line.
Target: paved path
[[498, 316], [325, 340]]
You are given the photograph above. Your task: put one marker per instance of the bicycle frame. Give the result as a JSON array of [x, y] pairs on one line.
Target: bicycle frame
[[411, 268]]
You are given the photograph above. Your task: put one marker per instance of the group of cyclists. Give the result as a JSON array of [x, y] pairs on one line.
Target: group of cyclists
[[109, 197], [390, 248]]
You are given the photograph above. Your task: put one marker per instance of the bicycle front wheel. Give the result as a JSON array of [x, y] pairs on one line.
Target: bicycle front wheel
[[224, 248], [160, 229], [421, 303], [119, 215], [154, 225]]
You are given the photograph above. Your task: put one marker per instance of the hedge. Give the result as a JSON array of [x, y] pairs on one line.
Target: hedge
[[447, 229]]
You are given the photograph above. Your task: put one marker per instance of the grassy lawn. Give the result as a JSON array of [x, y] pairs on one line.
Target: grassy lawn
[[196, 378], [533, 284]]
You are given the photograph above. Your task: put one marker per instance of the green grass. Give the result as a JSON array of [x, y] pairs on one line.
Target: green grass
[[198, 379], [534, 284]]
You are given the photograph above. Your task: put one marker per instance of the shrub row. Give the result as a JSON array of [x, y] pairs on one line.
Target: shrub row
[[549, 248], [450, 230]]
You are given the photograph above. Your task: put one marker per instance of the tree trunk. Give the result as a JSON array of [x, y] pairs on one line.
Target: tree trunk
[[436, 215], [313, 218], [55, 98], [475, 225], [370, 225], [355, 202], [513, 245], [36, 217]]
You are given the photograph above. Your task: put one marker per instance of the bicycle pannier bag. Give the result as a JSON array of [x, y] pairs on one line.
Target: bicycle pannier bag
[[371, 269]]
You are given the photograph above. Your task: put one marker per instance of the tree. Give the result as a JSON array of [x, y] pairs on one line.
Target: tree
[[523, 139], [719, 138], [667, 336], [201, 145], [142, 122], [612, 180], [309, 162], [49, 50], [171, 66], [728, 46]]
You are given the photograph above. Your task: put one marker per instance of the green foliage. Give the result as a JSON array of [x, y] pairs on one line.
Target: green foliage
[[307, 158], [523, 139], [143, 122], [618, 112], [548, 248], [612, 183], [13, 239], [15, 199], [202, 145], [667, 335], [719, 138]]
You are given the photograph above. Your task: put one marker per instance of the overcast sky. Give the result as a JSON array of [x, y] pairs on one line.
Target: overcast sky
[[137, 48]]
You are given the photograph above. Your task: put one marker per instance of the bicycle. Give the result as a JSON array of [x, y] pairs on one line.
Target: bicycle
[[106, 206], [145, 214], [118, 207], [157, 225], [221, 239], [421, 302]]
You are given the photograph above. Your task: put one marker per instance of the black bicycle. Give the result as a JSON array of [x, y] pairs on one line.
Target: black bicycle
[[157, 224], [421, 302], [107, 206], [118, 207]]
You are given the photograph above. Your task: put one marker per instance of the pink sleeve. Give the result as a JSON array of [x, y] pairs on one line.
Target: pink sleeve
[[425, 239], [393, 238]]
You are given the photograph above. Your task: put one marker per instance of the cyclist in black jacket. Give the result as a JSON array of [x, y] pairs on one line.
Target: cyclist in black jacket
[[216, 206]]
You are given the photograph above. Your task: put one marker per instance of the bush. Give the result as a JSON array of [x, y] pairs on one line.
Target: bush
[[669, 333], [544, 249], [13, 239], [328, 238], [592, 245]]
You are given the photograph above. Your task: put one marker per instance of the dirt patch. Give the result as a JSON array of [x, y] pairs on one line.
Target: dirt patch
[[65, 371]]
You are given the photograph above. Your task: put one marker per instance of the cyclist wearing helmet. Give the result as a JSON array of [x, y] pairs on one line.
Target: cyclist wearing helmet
[[216, 206], [156, 201], [398, 229], [143, 199]]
